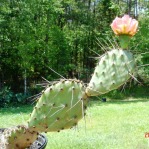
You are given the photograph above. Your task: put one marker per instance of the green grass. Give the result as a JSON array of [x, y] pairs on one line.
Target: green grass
[[109, 125]]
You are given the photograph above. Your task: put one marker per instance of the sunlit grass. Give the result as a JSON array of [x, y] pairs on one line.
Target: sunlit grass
[[14, 115], [109, 125]]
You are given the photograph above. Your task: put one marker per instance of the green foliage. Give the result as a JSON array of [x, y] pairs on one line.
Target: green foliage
[[20, 97], [141, 48], [8, 97], [59, 34], [128, 91]]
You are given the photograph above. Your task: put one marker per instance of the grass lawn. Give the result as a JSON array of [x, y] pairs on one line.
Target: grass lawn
[[109, 125]]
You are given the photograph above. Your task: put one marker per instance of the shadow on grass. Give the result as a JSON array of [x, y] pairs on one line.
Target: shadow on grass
[[133, 92], [100, 103], [137, 93], [15, 110], [128, 101]]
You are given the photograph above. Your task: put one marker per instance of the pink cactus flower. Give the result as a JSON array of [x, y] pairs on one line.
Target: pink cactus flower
[[124, 26]]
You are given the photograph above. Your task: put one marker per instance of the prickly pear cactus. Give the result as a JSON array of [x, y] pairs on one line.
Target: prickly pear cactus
[[60, 107], [113, 69], [19, 137]]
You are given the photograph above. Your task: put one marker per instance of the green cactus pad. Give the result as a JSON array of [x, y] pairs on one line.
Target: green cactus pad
[[112, 70], [19, 137], [60, 107]]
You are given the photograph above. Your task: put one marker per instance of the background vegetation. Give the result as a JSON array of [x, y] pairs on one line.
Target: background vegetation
[[62, 35]]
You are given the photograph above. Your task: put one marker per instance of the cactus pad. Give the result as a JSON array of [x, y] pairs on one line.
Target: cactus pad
[[112, 70], [60, 107], [18, 137]]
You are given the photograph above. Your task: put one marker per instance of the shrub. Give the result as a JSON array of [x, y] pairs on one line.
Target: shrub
[[7, 97]]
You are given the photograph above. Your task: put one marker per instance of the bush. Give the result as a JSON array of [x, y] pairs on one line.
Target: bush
[[136, 91], [7, 97]]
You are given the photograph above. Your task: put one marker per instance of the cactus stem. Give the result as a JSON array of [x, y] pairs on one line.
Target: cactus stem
[[88, 95]]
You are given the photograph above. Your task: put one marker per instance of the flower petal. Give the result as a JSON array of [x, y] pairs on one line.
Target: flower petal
[[125, 25]]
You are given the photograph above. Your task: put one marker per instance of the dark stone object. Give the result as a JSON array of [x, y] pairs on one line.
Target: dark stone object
[[104, 99]]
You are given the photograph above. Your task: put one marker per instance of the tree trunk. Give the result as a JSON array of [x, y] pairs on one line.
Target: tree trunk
[[25, 83]]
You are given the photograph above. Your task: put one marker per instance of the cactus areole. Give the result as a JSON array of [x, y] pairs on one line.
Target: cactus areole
[[60, 107]]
